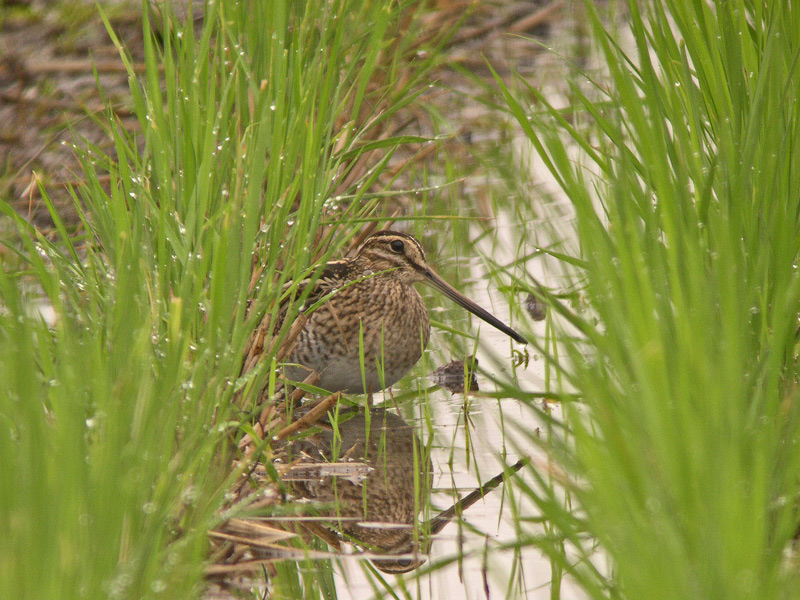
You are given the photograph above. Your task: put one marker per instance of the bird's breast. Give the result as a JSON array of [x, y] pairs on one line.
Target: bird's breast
[[384, 319]]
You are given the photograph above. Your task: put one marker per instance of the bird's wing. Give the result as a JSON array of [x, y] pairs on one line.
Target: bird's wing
[[332, 277]]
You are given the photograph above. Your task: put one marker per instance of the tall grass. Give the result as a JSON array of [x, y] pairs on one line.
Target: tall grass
[[116, 417], [683, 451]]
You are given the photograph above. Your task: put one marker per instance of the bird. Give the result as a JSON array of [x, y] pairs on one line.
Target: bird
[[376, 507], [364, 323]]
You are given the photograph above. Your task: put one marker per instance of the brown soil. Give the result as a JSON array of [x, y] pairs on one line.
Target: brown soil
[[49, 98]]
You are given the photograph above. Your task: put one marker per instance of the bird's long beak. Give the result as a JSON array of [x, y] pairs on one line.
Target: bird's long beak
[[457, 297]]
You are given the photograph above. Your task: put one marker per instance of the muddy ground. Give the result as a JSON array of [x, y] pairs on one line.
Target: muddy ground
[[49, 98]]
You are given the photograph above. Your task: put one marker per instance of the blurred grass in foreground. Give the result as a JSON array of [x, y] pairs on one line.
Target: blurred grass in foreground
[[683, 453]]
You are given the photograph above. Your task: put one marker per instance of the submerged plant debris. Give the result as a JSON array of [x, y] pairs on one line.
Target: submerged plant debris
[[455, 374], [536, 308]]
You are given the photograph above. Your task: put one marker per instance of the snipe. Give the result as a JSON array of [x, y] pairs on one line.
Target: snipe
[[374, 311]]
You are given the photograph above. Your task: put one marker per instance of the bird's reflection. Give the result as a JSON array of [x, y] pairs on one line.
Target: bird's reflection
[[372, 477]]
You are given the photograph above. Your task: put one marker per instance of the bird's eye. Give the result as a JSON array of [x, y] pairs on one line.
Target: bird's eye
[[397, 246]]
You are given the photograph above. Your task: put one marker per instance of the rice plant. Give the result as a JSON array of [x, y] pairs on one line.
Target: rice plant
[[681, 455]]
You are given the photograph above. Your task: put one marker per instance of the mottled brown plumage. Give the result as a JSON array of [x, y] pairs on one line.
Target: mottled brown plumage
[[369, 306]]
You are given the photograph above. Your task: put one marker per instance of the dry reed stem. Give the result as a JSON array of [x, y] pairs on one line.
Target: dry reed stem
[[310, 418]]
